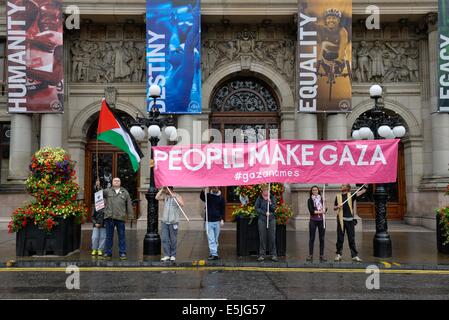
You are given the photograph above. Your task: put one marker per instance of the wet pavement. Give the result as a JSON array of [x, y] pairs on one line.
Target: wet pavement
[[205, 284]]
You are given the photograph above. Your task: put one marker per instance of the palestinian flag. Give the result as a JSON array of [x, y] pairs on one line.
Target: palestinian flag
[[113, 131]]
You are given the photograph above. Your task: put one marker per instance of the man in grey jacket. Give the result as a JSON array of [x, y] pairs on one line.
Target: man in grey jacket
[[118, 205]]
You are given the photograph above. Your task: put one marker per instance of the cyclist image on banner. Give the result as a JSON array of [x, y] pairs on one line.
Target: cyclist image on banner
[[332, 61]]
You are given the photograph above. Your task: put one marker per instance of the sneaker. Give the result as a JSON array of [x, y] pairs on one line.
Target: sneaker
[[165, 258], [274, 258], [100, 253], [106, 257], [172, 258], [309, 258], [211, 257], [322, 259], [216, 258], [94, 252], [338, 258], [123, 257], [356, 259], [261, 258]]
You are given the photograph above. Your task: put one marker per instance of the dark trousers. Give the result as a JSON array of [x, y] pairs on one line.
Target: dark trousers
[[313, 225], [110, 225], [350, 230], [265, 234]]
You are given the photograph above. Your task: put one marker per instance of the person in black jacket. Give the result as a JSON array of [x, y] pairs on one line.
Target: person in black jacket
[[262, 204], [215, 216], [315, 205]]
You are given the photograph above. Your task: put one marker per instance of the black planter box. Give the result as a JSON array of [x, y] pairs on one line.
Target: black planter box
[[64, 238], [248, 237], [440, 238]]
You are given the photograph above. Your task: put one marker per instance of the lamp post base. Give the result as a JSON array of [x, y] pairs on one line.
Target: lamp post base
[[382, 245], [152, 245]]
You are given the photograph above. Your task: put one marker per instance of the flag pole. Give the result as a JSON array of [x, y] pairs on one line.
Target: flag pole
[[324, 206], [268, 204], [178, 204], [353, 194], [207, 212]]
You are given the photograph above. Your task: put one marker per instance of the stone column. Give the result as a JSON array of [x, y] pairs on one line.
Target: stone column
[[51, 130], [189, 129], [20, 147], [440, 121], [336, 127], [306, 126]]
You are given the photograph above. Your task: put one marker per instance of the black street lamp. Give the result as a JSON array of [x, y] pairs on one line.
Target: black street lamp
[[377, 124], [152, 240]]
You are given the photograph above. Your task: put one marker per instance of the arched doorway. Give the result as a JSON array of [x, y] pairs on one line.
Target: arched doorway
[[243, 109], [397, 200], [112, 162]]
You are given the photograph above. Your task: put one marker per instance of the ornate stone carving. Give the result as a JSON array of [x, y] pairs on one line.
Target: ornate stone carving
[[108, 53], [110, 94], [108, 61], [385, 61], [246, 46]]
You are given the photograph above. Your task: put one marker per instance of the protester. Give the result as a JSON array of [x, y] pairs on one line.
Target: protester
[[98, 231], [346, 221], [170, 221], [315, 203], [215, 215], [118, 205], [265, 207]]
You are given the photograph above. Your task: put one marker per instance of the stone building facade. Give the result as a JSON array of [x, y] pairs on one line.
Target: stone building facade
[[248, 81]]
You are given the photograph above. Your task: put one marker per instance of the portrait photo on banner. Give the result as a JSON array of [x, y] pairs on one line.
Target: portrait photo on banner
[[324, 55]]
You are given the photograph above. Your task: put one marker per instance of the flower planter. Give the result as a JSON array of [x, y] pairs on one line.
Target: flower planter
[[442, 248], [248, 237], [63, 239], [281, 239]]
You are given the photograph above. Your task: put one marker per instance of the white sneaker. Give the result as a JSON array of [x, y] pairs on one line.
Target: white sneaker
[[356, 259], [166, 258], [338, 258], [172, 259]]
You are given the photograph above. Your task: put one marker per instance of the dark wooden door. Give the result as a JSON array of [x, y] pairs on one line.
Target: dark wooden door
[[112, 163], [397, 201]]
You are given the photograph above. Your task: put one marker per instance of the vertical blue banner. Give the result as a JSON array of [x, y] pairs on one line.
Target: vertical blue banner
[[443, 56], [173, 54]]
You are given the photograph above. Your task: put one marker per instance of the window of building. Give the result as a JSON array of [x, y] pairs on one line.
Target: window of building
[[2, 62], [5, 138]]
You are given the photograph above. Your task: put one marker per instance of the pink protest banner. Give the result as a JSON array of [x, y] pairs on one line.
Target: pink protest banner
[[285, 161]]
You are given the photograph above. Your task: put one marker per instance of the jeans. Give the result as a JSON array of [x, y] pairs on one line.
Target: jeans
[[313, 224], [98, 238], [350, 229], [265, 233], [213, 230], [169, 239], [110, 225]]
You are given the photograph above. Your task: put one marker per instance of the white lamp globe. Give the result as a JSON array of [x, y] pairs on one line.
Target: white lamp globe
[[155, 91], [371, 135], [384, 131], [138, 133], [390, 135], [364, 132], [173, 136], [154, 131], [169, 130], [356, 135], [375, 91], [399, 131]]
